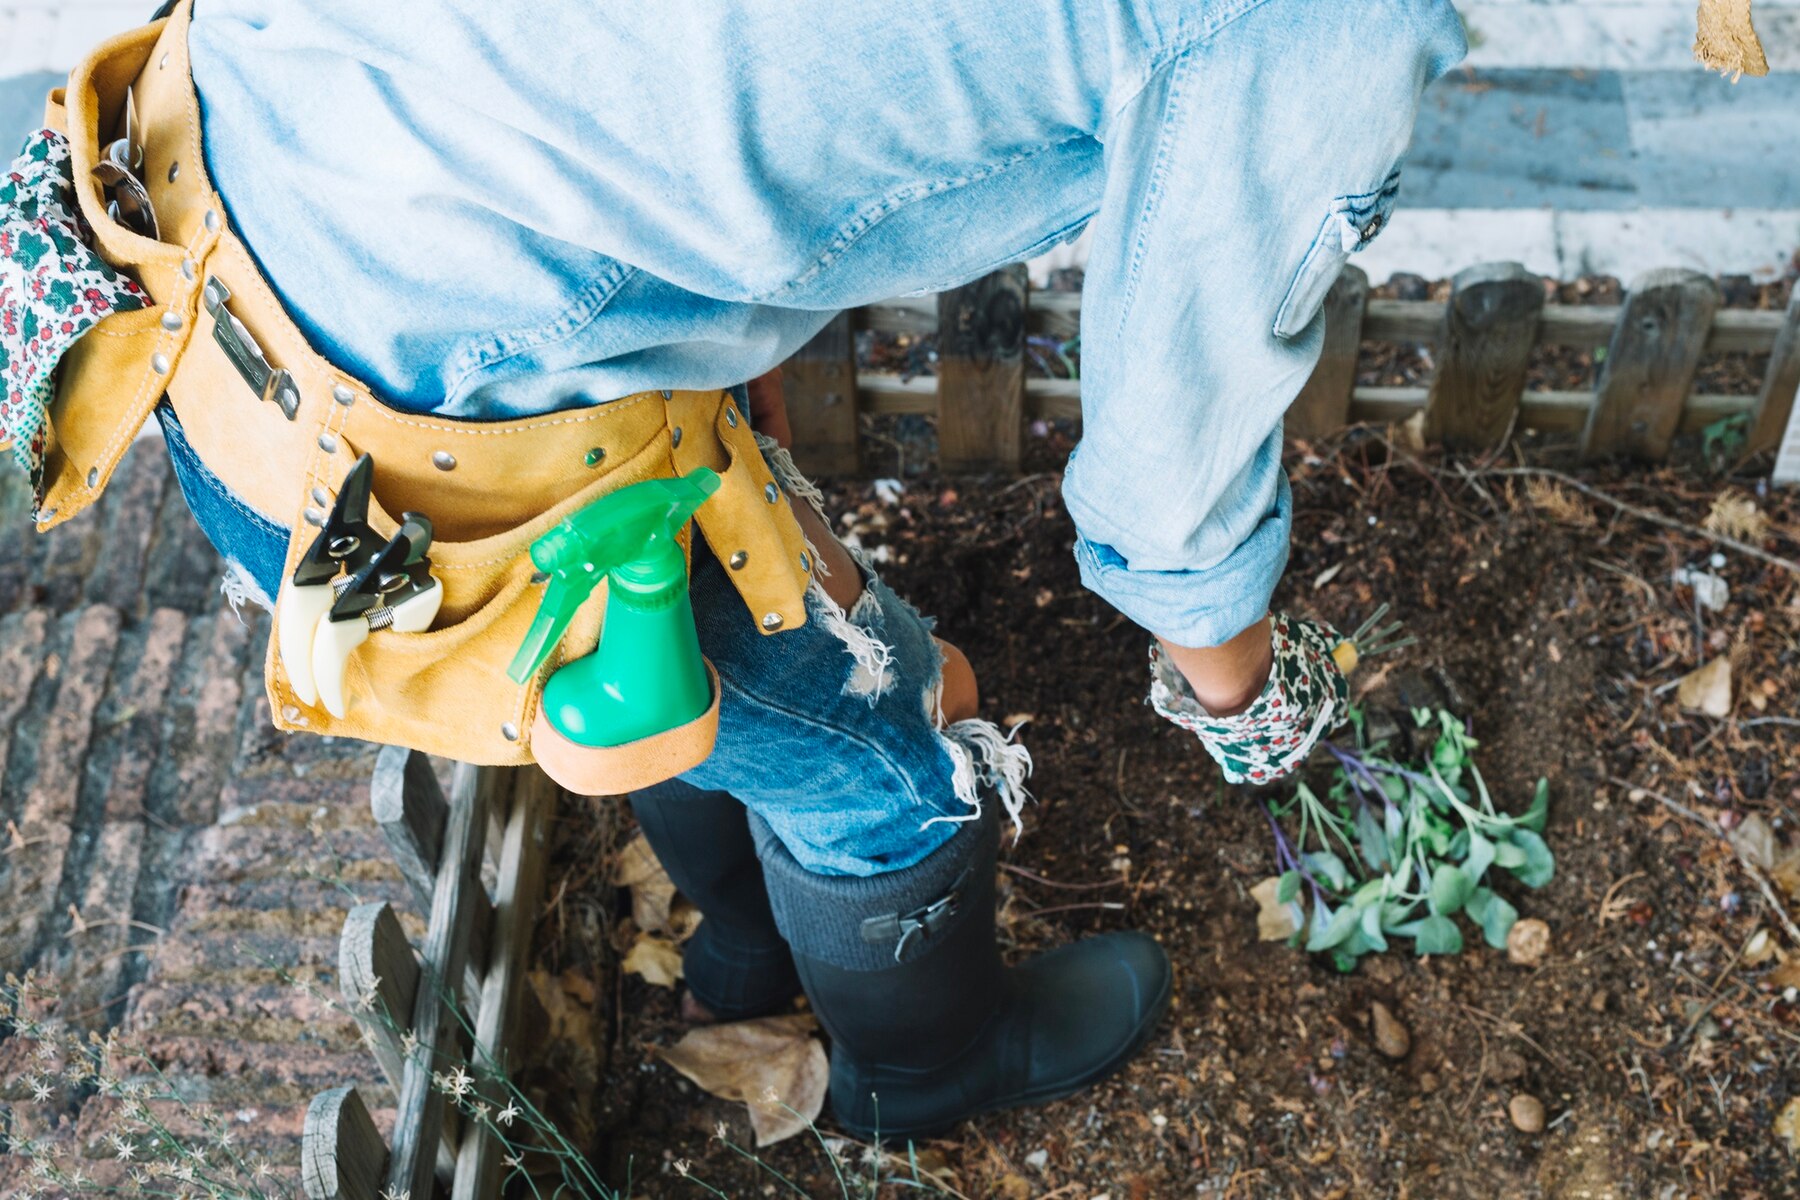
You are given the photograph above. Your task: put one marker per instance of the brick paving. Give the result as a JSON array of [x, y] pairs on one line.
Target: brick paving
[[161, 845]]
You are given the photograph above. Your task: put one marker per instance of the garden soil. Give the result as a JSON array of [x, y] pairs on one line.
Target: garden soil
[[1660, 1031]]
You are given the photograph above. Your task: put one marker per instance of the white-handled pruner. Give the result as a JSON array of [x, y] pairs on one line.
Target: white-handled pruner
[[351, 581]]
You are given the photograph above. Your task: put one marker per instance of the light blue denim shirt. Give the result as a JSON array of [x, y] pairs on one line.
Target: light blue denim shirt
[[489, 209]]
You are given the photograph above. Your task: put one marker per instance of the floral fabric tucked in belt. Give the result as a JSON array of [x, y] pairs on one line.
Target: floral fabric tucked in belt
[[53, 288]]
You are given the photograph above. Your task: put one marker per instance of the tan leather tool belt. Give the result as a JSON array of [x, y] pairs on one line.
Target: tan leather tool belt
[[281, 428]]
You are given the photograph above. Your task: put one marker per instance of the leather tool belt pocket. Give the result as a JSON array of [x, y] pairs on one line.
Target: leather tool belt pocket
[[283, 430]]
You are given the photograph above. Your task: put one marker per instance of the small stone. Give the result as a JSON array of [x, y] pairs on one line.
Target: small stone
[[1527, 1113], [1428, 1083], [1508, 1065], [1391, 1037], [1598, 1001], [1527, 942], [1037, 1160]]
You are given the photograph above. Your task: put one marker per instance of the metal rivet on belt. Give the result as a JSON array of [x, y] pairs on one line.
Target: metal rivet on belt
[[174, 170], [806, 562], [327, 443], [343, 395], [159, 363], [321, 496], [93, 476], [771, 620], [315, 516], [594, 457], [771, 493], [738, 560], [163, 61], [675, 438], [211, 219], [443, 460], [188, 269], [509, 731], [171, 320], [668, 395], [731, 415]]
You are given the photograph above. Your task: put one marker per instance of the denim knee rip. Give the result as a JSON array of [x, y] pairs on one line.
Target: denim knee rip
[[982, 757]]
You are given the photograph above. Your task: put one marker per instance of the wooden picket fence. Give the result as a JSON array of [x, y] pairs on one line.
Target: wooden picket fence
[[1482, 340], [452, 1001]]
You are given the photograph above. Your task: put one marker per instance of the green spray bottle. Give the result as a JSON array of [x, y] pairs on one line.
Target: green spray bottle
[[647, 675]]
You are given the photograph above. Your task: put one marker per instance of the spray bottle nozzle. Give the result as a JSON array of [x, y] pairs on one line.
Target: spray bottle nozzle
[[629, 536]]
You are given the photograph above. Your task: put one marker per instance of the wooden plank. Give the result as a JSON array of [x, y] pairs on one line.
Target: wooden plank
[[1583, 326], [885, 394], [342, 1157], [819, 384], [1787, 456], [981, 373], [1490, 324], [379, 978], [419, 1119], [1650, 364], [1775, 400], [523, 851], [1323, 405], [409, 807]]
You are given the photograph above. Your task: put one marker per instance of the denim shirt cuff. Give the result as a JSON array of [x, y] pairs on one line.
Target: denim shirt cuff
[[1200, 607]]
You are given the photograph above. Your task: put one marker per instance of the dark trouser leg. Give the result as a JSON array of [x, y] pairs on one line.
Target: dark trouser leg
[[737, 964]]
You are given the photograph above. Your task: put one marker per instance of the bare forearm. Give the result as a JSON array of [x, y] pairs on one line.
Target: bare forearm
[[1227, 677]]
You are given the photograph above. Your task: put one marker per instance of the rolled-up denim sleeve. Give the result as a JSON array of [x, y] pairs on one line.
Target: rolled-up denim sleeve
[[1240, 175]]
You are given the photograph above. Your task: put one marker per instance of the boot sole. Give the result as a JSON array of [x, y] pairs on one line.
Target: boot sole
[[1045, 1095]]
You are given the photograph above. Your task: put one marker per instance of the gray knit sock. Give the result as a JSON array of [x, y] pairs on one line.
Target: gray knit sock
[[861, 923]]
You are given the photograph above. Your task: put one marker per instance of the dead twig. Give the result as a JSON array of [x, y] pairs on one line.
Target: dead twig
[[1776, 904], [1655, 518]]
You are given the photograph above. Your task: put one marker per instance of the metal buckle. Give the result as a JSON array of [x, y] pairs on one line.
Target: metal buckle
[[269, 383], [921, 922]]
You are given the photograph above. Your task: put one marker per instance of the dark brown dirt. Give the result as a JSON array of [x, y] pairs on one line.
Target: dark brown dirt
[[1661, 1057]]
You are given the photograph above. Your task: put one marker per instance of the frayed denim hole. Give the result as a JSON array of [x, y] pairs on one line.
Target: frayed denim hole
[[239, 587]]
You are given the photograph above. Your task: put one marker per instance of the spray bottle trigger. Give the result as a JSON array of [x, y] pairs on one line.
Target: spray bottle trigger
[[562, 597]]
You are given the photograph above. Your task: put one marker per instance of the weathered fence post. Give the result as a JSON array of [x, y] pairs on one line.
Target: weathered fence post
[[342, 1156], [409, 807], [1650, 364], [521, 863], [419, 1120], [981, 372], [1323, 405], [1490, 325], [379, 978], [819, 385], [1775, 400]]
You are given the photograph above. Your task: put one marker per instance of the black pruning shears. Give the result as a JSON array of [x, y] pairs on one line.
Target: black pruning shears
[[350, 581]]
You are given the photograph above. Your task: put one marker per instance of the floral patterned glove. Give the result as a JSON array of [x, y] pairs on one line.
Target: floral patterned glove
[[52, 289], [1307, 696]]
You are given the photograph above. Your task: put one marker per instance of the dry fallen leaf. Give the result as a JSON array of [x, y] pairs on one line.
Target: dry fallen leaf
[[772, 1064], [1707, 689], [654, 905], [1787, 1124], [1736, 515], [566, 1000], [1785, 976], [1275, 921], [1755, 840], [657, 959]]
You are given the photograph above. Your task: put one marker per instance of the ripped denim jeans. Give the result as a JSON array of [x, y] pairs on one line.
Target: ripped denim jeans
[[832, 733]]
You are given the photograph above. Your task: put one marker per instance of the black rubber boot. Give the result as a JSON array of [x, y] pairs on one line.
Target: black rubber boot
[[927, 1026], [737, 965]]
